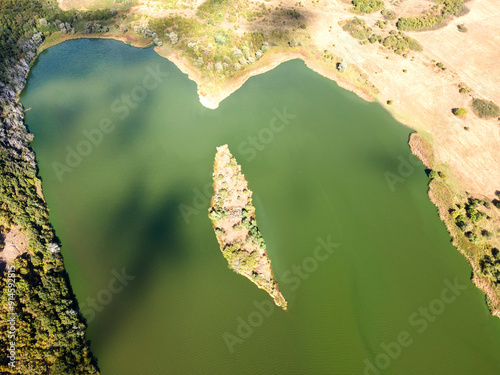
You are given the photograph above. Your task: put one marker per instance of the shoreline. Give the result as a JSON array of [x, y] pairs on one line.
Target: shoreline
[[440, 195], [211, 96]]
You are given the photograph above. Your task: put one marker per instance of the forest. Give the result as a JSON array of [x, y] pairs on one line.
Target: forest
[[41, 330]]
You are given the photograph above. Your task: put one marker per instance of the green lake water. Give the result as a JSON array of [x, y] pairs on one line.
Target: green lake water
[[135, 201]]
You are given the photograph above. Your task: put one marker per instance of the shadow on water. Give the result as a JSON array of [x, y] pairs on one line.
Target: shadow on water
[[159, 229]]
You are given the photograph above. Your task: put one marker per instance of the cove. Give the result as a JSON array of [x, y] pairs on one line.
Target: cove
[[392, 296]]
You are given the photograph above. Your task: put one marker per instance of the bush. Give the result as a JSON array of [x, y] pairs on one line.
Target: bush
[[486, 234], [419, 23], [462, 28], [485, 109], [367, 6], [373, 38], [490, 266], [459, 111], [293, 14], [472, 236], [460, 222], [413, 44], [355, 27], [357, 21], [453, 8], [390, 102], [433, 20], [472, 213], [388, 15]]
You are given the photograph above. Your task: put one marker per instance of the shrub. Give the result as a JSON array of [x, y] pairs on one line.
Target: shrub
[[390, 102], [413, 44], [459, 111], [293, 14], [453, 8], [485, 109], [462, 28], [388, 15], [355, 27], [471, 236], [486, 234], [460, 221], [419, 23], [389, 41], [357, 21], [473, 214], [373, 38], [434, 19], [367, 6], [490, 266]]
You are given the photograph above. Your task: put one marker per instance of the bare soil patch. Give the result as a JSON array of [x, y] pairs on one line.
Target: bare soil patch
[[15, 244]]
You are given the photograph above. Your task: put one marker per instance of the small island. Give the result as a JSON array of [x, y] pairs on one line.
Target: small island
[[233, 218]]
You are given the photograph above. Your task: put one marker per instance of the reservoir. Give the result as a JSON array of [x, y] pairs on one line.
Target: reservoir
[[373, 285]]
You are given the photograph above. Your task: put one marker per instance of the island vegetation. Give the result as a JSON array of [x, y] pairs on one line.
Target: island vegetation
[[233, 218]]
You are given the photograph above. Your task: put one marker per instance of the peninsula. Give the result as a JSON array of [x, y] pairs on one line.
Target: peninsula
[[233, 218]]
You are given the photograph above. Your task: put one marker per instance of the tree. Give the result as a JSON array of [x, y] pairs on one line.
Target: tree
[[459, 111], [485, 109]]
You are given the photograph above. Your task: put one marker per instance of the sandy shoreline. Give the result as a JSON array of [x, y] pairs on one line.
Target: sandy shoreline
[[211, 95]]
